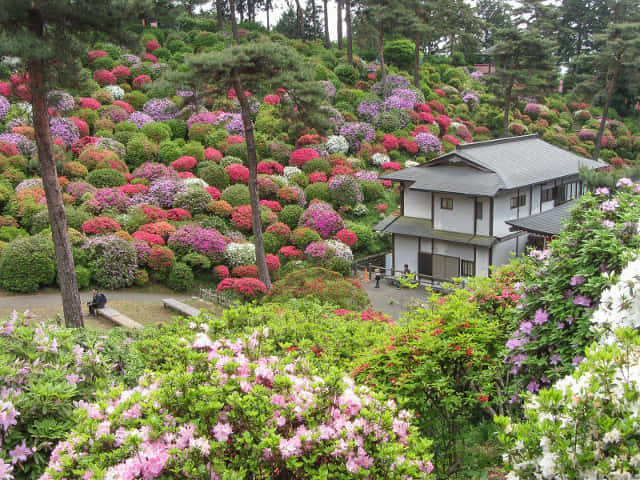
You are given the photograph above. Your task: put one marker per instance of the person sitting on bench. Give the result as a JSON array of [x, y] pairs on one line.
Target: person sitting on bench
[[404, 275], [99, 301]]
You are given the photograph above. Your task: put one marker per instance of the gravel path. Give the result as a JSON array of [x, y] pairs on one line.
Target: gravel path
[[391, 300], [24, 302]]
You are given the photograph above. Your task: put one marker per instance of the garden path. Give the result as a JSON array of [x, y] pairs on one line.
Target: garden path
[[391, 300]]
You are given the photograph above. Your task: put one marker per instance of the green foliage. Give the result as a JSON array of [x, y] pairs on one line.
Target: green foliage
[[290, 215], [180, 277], [346, 73], [156, 131], [317, 165], [106, 178], [195, 150], [27, 264], [8, 234], [319, 283], [372, 191], [140, 150], [236, 195], [168, 152], [399, 53], [178, 128], [83, 276], [215, 175], [318, 190]]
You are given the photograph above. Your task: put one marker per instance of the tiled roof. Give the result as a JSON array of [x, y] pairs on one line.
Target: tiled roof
[[549, 222]]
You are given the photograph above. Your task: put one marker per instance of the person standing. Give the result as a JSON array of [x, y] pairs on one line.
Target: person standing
[[99, 301], [378, 277]]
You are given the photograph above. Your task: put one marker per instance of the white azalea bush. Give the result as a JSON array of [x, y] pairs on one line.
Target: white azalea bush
[[587, 426], [235, 414], [337, 144], [116, 92], [236, 254]]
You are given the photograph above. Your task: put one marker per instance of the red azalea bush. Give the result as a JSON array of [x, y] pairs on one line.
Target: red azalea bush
[[391, 166], [100, 226], [291, 253], [270, 168], [220, 272], [436, 105], [221, 208], [316, 177], [271, 99], [347, 237], [409, 145], [23, 93], [141, 80], [451, 139], [153, 213], [95, 54], [422, 108], [287, 194], [381, 207], [248, 288], [5, 89], [271, 205], [233, 139], [214, 192], [280, 230], [162, 229], [160, 258], [341, 170], [273, 263], [149, 57], [95, 157], [8, 149], [121, 72], [184, 163], [245, 271], [178, 214], [212, 155], [186, 175], [88, 102], [104, 77], [150, 238], [81, 125], [390, 142], [241, 218], [301, 156], [237, 173], [152, 45], [311, 139], [443, 122], [132, 189]]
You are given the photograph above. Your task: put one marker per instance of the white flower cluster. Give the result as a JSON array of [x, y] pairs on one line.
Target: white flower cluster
[[236, 254], [619, 305], [116, 92], [337, 144], [291, 172], [606, 387], [195, 181], [410, 164], [379, 158], [340, 250]]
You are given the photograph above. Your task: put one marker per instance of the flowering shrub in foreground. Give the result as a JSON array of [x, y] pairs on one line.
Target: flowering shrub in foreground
[[586, 425], [236, 413]]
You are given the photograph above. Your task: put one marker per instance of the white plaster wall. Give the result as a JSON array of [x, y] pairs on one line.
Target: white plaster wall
[[460, 219], [482, 261], [464, 252], [535, 199], [502, 252], [425, 245], [502, 213], [406, 251], [417, 204], [482, 226]]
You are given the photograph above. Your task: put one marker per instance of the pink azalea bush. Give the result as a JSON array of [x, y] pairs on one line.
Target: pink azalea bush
[[234, 411]]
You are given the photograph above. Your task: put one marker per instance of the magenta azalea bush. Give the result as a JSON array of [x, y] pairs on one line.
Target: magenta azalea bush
[[233, 413], [323, 219]]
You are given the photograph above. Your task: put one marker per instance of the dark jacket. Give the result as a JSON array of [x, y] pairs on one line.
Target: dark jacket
[[99, 300]]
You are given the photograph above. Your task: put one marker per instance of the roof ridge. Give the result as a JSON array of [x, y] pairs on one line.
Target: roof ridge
[[466, 146]]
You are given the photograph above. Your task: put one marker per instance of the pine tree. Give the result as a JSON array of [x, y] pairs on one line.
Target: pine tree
[[618, 48], [45, 34], [422, 29], [522, 59], [261, 67]]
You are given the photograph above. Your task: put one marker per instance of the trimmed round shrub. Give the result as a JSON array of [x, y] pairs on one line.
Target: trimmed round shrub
[[346, 73], [301, 237], [317, 165], [371, 191], [106, 178], [236, 195], [83, 276], [319, 191], [290, 215], [180, 277], [271, 242], [194, 199], [156, 131], [195, 150], [215, 175], [140, 150], [112, 261], [344, 190], [365, 237], [168, 152], [27, 263]]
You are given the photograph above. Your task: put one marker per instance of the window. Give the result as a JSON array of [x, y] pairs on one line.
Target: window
[[446, 203], [478, 210], [519, 201], [467, 268], [548, 194]]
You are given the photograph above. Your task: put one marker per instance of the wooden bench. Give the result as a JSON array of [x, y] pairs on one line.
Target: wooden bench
[[117, 318], [180, 307]]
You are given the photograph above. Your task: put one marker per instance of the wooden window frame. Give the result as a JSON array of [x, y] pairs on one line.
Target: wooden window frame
[[518, 201], [548, 194], [467, 265], [446, 203], [479, 210]]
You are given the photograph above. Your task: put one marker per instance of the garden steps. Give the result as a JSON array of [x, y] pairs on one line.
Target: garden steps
[[118, 318], [181, 307]]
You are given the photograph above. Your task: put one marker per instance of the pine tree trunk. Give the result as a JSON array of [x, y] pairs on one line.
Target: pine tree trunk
[[347, 8], [339, 24], [507, 106], [327, 40], [416, 63], [234, 24], [256, 220], [71, 303], [268, 9], [315, 20], [605, 111], [383, 72], [220, 14], [299, 21]]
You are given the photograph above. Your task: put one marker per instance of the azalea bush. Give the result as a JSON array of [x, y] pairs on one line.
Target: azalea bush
[[296, 420], [553, 326]]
